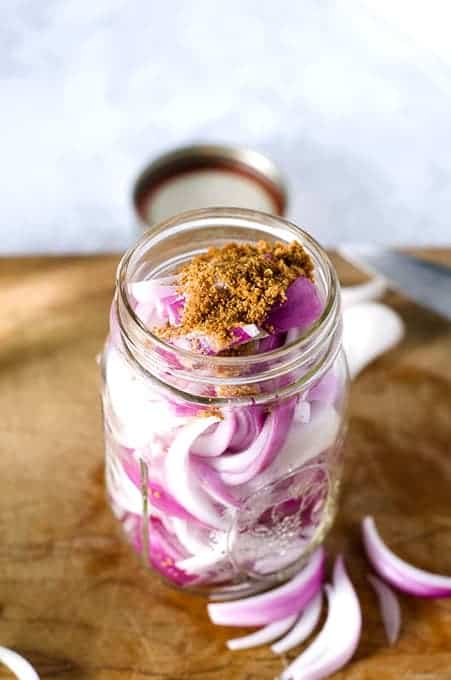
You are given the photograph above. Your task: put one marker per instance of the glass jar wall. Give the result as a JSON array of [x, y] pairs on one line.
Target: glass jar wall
[[222, 470]]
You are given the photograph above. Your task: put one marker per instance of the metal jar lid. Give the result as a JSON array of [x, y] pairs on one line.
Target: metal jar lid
[[206, 176]]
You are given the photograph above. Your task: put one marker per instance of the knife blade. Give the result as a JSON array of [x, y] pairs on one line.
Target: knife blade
[[427, 283]]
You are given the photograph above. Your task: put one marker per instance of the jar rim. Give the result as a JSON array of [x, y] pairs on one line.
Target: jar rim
[[306, 344]]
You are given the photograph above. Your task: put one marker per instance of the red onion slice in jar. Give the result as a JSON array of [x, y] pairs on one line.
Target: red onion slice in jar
[[249, 422], [215, 440], [159, 498], [304, 626], [164, 549], [206, 550], [150, 290], [277, 523], [241, 467], [263, 636], [397, 572], [389, 608], [180, 479], [275, 604], [335, 645], [303, 444], [211, 482], [302, 307], [22, 669]]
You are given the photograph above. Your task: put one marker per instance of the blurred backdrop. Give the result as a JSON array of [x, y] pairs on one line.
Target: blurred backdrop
[[351, 99]]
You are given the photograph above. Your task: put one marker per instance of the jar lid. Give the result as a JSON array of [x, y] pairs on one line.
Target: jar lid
[[207, 176]]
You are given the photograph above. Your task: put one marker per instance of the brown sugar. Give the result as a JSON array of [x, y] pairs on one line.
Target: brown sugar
[[236, 285]]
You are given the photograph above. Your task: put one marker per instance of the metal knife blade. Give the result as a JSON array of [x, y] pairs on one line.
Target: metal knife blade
[[425, 282]]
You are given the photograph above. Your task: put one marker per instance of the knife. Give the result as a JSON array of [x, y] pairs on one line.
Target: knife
[[425, 282]]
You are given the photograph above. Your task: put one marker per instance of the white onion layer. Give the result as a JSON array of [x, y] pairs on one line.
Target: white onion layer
[[399, 573], [336, 643], [275, 604], [263, 636], [180, 480], [304, 626], [389, 607], [22, 669]]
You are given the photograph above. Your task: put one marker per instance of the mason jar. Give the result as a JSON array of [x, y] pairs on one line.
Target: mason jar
[[223, 471]]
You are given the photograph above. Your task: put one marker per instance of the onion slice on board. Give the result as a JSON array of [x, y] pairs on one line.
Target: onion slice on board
[[389, 607], [263, 636], [22, 669], [336, 643], [276, 604], [304, 626], [397, 572]]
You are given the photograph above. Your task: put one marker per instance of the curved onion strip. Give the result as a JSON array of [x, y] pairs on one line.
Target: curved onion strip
[[275, 604], [211, 482], [336, 643], [249, 422], [389, 607], [123, 492], [302, 628], [301, 309], [326, 389], [159, 498], [22, 669], [264, 449], [214, 443], [263, 636], [204, 553], [181, 482], [152, 289], [399, 573]]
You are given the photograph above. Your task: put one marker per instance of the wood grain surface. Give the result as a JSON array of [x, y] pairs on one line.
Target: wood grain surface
[[74, 599]]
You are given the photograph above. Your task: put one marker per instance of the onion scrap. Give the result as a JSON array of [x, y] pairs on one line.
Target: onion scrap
[[335, 645], [22, 669], [397, 572], [389, 607], [276, 604]]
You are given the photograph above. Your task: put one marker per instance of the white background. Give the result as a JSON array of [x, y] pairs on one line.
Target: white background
[[352, 99]]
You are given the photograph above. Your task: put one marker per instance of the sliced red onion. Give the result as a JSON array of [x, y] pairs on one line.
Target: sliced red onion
[[249, 421], [389, 606], [242, 334], [335, 645], [215, 440], [174, 305], [207, 549], [301, 309], [159, 498], [263, 636], [303, 627], [115, 331], [239, 468], [22, 669], [181, 481], [270, 342], [151, 290], [303, 444], [275, 604], [164, 550], [302, 412], [326, 389], [212, 483], [397, 572]]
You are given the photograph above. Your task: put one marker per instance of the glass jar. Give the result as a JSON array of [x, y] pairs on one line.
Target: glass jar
[[223, 470]]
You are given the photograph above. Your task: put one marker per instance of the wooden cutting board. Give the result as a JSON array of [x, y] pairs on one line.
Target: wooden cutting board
[[73, 598]]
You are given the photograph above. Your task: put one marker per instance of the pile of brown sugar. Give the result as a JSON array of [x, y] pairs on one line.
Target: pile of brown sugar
[[236, 285]]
